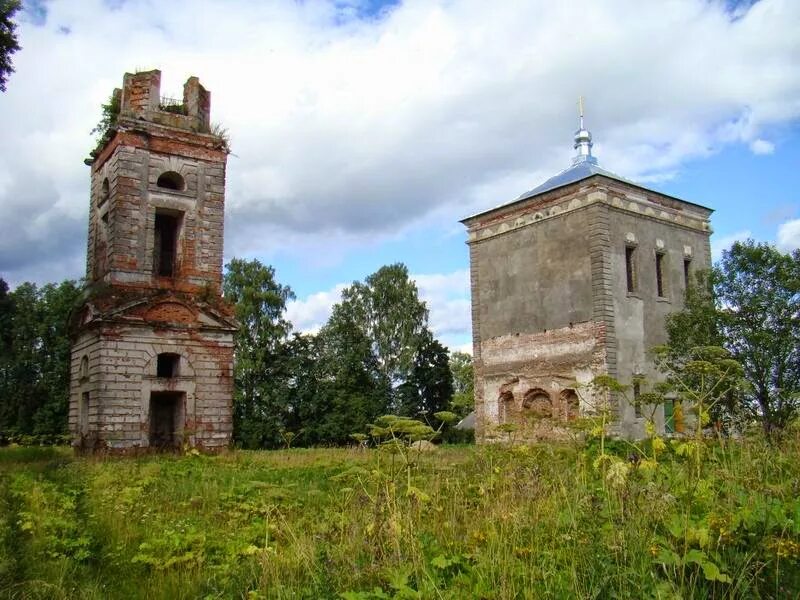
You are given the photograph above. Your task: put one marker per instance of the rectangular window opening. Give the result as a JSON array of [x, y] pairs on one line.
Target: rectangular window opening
[[630, 268], [167, 365], [165, 244], [637, 408], [660, 274], [687, 263], [83, 414]]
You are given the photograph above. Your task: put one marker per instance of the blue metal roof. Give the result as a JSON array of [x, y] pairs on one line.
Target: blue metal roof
[[584, 165], [580, 170]]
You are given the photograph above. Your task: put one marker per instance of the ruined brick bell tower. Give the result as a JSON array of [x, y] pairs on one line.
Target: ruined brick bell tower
[[152, 354]]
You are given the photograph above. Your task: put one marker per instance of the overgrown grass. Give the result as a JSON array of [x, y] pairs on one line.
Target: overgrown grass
[[463, 522]]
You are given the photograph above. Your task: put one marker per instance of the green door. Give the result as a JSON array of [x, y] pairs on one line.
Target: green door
[[669, 416]]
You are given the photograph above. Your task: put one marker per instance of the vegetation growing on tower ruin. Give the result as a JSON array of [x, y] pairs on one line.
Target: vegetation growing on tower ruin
[[104, 130]]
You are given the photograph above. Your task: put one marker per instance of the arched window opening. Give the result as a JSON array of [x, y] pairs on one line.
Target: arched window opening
[[168, 365], [538, 402], [84, 371], [506, 406], [170, 180], [572, 404]]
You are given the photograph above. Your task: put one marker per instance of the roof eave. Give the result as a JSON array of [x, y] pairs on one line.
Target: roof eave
[[524, 198]]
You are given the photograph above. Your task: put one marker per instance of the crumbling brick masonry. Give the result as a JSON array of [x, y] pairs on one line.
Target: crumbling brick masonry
[[152, 354]]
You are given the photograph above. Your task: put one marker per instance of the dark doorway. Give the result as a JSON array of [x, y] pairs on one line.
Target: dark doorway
[[166, 419]]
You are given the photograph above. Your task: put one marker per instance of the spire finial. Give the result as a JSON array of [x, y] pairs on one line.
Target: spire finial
[[583, 140]]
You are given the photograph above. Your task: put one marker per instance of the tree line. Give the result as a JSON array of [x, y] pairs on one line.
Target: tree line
[[748, 304], [34, 358], [376, 355]]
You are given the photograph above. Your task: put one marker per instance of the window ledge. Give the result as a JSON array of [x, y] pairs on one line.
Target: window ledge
[[636, 295], [663, 299], [170, 192]]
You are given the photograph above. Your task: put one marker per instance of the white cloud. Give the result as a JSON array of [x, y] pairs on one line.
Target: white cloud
[[309, 315], [718, 244], [465, 348], [447, 297], [760, 146], [350, 127], [789, 235]]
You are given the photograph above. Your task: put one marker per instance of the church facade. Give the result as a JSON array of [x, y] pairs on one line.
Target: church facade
[[152, 352], [573, 280]]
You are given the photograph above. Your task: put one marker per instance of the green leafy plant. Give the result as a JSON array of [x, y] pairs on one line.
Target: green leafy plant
[[104, 130]]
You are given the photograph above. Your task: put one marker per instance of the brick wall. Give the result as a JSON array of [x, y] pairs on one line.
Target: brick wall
[[122, 377]]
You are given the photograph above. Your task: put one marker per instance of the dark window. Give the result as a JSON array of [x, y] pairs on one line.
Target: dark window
[[630, 268], [168, 365], [637, 407], [101, 246], [83, 414], [687, 263], [165, 243], [104, 191], [660, 274], [171, 181]]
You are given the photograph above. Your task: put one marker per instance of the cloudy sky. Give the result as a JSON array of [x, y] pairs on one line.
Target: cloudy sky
[[362, 131]]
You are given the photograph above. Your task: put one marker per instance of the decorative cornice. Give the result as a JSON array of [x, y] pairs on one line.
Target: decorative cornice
[[637, 204]]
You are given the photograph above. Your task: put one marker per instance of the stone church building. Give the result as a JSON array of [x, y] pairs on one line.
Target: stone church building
[[571, 280], [152, 353]]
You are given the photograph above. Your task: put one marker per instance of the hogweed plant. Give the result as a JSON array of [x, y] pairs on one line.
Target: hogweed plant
[[700, 380], [405, 438], [491, 521]]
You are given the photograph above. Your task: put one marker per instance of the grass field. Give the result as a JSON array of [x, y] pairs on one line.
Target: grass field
[[463, 522]]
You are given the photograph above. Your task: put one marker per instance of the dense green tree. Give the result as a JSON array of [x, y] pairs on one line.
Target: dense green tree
[[23, 390], [463, 383], [260, 352], [428, 388], [351, 390], [34, 384], [55, 304], [322, 388], [750, 305], [376, 356], [6, 320], [387, 309], [8, 39], [299, 383]]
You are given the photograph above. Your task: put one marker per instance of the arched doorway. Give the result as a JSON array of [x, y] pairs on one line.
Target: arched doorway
[[571, 403]]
